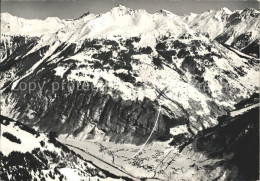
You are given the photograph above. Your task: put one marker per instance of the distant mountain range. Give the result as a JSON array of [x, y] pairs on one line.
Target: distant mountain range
[[239, 28]]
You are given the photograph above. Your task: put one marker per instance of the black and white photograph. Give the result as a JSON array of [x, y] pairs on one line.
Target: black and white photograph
[[129, 90]]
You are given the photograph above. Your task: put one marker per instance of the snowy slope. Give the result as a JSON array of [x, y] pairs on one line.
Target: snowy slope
[[27, 155], [121, 22], [223, 24], [238, 28], [243, 28], [211, 22], [12, 25], [212, 80]]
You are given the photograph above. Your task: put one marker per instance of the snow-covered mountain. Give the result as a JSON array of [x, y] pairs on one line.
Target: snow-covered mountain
[[238, 28], [119, 21], [211, 22], [243, 28], [129, 76], [128, 57], [17, 31], [12, 25]]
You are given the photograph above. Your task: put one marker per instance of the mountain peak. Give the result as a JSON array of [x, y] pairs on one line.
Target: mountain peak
[[192, 14], [83, 15], [53, 19], [167, 13], [121, 9], [6, 15], [121, 6], [225, 10], [250, 10]]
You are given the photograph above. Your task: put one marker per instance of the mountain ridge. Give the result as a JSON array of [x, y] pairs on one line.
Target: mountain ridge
[[217, 24], [135, 60]]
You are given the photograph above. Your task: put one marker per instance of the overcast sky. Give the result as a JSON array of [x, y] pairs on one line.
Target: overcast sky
[[68, 9]]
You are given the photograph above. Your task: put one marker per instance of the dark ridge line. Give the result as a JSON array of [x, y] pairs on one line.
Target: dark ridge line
[[241, 56]]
